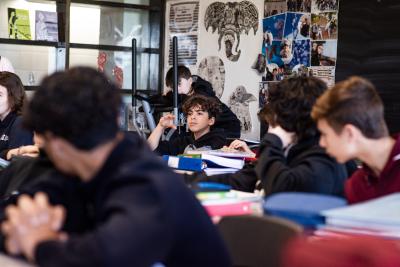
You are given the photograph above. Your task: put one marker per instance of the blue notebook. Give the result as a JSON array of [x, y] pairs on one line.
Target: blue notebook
[[302, 208], [184, 163]]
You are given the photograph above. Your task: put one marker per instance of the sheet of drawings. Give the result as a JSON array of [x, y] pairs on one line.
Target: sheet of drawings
[[183, 22]]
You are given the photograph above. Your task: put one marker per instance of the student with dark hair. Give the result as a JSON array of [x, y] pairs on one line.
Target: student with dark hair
[[139, 212], [200, 112], [290, 158], [12, 99], [350, 117], [189, 84]]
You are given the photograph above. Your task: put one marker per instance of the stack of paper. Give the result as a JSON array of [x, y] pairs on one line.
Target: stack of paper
[[380, 216]]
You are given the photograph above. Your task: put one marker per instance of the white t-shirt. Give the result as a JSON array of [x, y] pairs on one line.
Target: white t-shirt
[[5, 65]]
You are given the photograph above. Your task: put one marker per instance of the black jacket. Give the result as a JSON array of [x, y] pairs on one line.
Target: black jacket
[[306, 168], [12, 135], [22, 171], [225, 120], [142, 214], [215, 139]]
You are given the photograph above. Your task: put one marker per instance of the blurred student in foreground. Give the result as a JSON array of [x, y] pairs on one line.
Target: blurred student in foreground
[[290, 158], [140, 212], [350, 118]]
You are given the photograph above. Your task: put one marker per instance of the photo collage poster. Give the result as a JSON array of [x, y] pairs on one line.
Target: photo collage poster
[[300, 37]]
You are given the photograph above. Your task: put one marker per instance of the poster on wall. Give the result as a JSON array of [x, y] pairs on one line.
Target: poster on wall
[[183, 22], [231, 20], [306, 42], [46, 27], [239, 102], [187, 49], [18, 24], [212, 69]]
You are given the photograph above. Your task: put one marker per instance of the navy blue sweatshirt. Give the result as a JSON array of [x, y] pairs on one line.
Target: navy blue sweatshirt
[[12, 135], [142, 213]]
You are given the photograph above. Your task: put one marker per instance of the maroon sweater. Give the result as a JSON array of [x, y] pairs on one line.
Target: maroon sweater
[[364, 184]]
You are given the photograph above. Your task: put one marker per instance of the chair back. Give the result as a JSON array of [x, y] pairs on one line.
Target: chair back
[[256, 241]]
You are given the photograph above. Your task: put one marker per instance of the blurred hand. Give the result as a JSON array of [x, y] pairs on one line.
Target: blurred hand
[[241, 146], [287, 138], [30, 222], [30, 151], [167, 121]]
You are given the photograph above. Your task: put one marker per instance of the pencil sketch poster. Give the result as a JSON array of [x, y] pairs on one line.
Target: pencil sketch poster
[[46, 28]]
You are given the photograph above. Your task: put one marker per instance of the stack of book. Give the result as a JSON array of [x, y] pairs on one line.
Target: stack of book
[[219, 204], [377, 217], [212, 164]]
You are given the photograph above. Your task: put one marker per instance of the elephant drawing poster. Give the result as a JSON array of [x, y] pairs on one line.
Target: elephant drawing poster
[[308, 42], [230, 21]]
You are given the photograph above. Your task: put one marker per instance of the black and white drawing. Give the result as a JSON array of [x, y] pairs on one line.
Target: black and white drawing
[[184, 17], [187, 49], [212, 69], [230, 20], [46, 27], [239, 104]]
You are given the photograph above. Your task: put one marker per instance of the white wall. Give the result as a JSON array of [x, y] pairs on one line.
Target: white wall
[[236, 73]]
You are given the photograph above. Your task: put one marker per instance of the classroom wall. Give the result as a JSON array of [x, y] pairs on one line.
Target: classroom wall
[[369, 46], [238, 74]]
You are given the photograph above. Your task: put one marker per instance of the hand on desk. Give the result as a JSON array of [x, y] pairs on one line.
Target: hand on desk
[[241, 146], [30, 151], [30, 222]]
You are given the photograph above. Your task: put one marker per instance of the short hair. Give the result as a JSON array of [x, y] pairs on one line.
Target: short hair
[[289, 105], [207, 104], [15, 91], [79, 105], [183, 72], [353, 101]]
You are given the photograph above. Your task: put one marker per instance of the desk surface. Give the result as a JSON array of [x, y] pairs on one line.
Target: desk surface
[[7, 261]]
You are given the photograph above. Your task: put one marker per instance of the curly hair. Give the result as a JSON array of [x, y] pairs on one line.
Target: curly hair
[[290, 103], [79, 105], [15, 91], [207, 104]]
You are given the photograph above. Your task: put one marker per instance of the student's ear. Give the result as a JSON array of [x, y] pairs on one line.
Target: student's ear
[[351, 132], [211, 121]]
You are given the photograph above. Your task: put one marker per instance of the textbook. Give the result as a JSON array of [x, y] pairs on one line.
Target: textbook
[[381, 214], [302, 208], [184, 163], [218, 162], [222, 153], [230, 203]]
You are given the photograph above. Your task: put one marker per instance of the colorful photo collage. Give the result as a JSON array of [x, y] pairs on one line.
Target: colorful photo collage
[[300, 36]]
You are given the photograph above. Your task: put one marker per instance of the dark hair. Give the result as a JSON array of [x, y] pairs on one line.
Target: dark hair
[[79, 105], [289, 105], [207, 104], [183, 72], [353, 101], [15, 91]]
